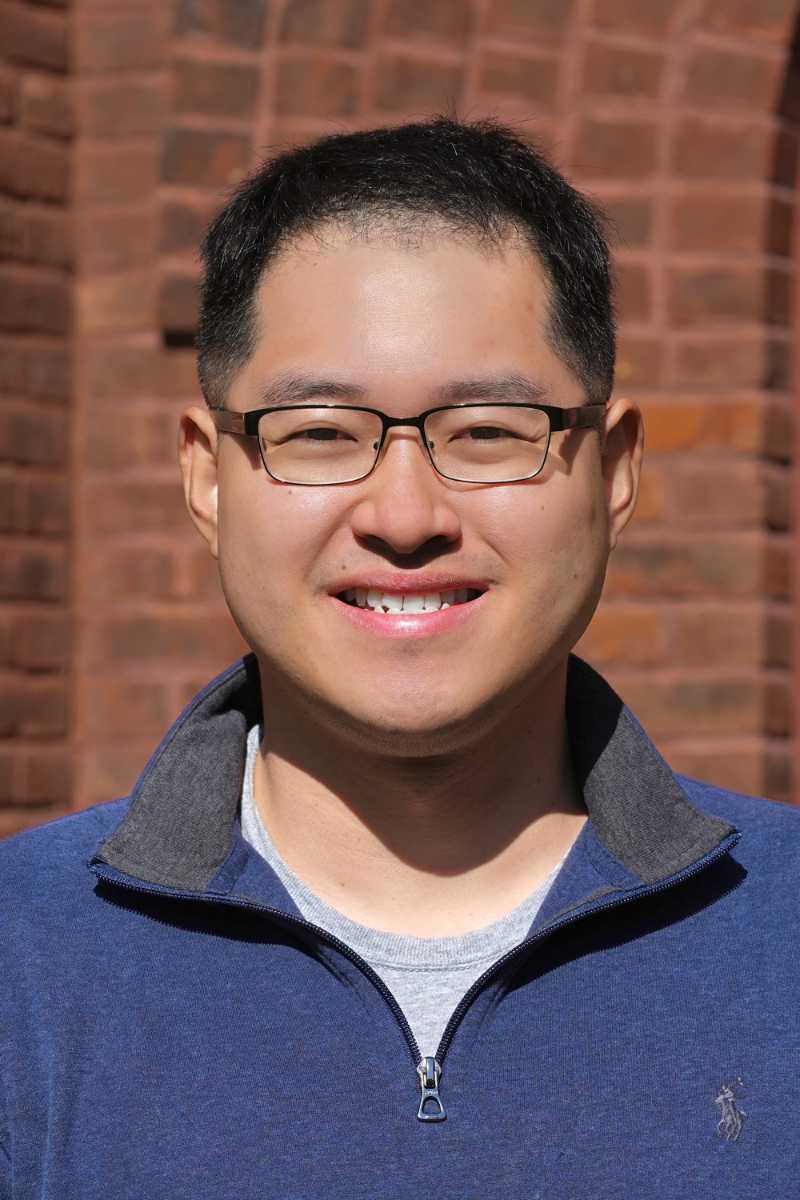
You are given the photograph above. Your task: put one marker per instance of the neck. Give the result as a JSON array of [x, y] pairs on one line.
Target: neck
[[423, 846]]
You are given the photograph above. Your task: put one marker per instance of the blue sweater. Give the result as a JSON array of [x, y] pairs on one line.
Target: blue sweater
[[171, 1027]]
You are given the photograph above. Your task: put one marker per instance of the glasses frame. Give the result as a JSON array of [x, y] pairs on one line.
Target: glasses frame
[[245, 424]]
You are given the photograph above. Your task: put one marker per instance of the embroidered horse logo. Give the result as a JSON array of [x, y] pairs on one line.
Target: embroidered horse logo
[[730, 1123]]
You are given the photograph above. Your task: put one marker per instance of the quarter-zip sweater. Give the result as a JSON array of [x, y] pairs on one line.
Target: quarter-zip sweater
[[171, 1026]]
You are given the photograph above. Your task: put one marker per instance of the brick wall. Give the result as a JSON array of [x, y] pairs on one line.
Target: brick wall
[[36, 264], [679, 116]]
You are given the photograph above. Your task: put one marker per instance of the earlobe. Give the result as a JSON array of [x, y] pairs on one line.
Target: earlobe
[[622, 462], [197, 455]]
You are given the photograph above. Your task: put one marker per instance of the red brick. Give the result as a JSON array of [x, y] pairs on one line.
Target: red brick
[[625, 633], [33, 167], [448, 21], [47, 508], [122, 370], [9, 96], [640, 360], [778, 500], [740, 361], [532, 79], [32, 707], [143, 639], [109, 773], [178, 375], [42, 642], [46, 105], [34, 37], [622, 71], [215, 89], [9, 487], [47, 777], [197, 577], [687, 425], [124, 506], [121, 108], [38, 234], [718, 80], [720, 220], [728, 294], [652, 501], [779, 639], [720, 494], [705, 149], [616, 149], [517, 20], [114, 241], [28, 573], [417, 86], [631, 220], [633, 290], [770, 20], [119, 440], [38, 371], [33, 302], [184, 222], [114, 704], [105, 176], [717, 634], [751, 765], [131, 574], [117, 39], [670, 708], [736, 566], [235, 22], [179, 298], [7, 789], [311, 87], [652, 17], [119, 302], [318, 22], [204, 157]]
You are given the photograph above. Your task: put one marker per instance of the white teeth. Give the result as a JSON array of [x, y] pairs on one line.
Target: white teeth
[[411, 602], [415, 604]]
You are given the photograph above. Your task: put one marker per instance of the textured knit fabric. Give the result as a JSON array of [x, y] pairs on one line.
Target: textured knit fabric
[[426, 976], [171, 1028]]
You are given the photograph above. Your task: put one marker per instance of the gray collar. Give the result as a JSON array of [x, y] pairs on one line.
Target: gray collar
[[179, 828]]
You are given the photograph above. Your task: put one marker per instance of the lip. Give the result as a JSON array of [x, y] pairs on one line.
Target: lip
[[410, 625]]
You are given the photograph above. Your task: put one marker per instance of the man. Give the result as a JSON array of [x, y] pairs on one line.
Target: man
[[407, 903]]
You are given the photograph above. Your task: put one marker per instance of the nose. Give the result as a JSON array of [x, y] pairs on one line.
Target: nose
[[404, 503]]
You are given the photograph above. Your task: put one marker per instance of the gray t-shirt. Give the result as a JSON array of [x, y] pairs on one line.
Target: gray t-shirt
[[427, 976]]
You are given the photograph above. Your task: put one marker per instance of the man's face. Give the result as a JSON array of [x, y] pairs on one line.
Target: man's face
[[401, 324]]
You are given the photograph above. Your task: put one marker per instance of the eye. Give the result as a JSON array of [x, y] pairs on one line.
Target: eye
[[322, 433]]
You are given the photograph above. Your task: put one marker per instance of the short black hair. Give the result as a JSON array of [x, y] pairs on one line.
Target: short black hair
[[477, 179]]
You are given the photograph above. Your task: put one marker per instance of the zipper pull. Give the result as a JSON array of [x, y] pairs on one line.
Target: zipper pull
[[430, 1073]]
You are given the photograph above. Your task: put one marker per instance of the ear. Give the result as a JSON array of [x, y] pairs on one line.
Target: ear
[[197, 455], [622, 463]]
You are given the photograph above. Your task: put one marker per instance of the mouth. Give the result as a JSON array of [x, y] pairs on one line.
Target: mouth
[[393, 603]]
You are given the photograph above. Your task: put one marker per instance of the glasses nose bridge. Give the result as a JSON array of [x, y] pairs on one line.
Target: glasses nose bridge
[[390, 423]]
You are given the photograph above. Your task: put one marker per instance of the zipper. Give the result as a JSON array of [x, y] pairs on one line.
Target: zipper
[[429, 1070]]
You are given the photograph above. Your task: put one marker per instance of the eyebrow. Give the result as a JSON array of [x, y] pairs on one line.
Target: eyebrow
[[296, 389]]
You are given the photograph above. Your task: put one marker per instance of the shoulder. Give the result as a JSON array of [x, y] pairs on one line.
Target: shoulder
[[770, 832], [52, 858]]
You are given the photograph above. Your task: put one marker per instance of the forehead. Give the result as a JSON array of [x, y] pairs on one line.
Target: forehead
[[419, 310]]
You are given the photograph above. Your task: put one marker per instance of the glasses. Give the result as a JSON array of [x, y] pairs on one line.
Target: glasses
[[323, 444]]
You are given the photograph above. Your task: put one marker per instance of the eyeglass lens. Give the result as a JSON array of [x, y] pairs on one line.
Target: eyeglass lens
[[488, 443]]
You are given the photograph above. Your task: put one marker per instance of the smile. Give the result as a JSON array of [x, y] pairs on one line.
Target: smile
[[391, 603]]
